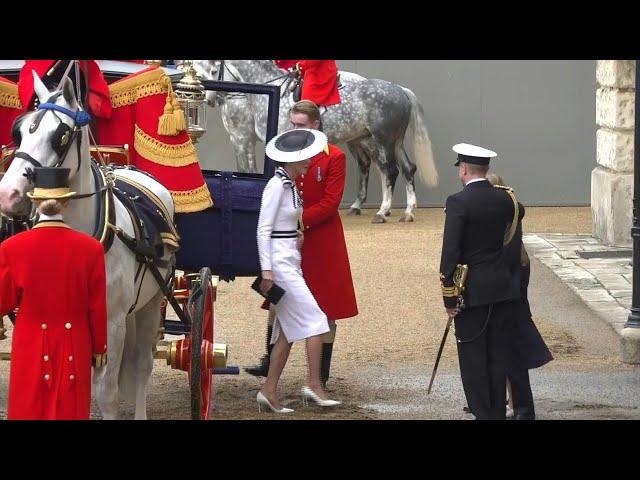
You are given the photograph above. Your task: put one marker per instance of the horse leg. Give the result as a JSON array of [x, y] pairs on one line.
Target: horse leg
[[364, 164], [147, 324], [238, 122], [244, 150], [105, 378], [388, 175], [408, 171]]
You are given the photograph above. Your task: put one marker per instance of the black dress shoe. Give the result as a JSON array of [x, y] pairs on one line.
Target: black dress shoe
[[260, 370], [524, 414]]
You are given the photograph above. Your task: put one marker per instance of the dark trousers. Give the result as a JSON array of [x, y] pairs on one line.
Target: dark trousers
[[521, 389], [482, 335]]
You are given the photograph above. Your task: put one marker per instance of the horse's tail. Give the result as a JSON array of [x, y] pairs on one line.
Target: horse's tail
[[421, 143]]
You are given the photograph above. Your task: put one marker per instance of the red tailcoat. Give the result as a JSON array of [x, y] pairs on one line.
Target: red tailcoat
[[320, 81], [325, 261], [56, 276]]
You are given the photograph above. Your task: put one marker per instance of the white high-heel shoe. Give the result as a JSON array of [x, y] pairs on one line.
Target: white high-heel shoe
[[264, 402], [308, 394]]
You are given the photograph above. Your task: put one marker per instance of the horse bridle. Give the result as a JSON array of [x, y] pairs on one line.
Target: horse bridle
[[64, 135]]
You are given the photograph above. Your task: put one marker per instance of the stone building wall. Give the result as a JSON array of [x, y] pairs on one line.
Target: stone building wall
[[612, 179]]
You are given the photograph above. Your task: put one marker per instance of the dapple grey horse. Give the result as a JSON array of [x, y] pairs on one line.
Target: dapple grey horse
[[372, 119]]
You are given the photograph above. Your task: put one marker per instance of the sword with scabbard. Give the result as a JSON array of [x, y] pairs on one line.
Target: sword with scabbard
[[459, 277]]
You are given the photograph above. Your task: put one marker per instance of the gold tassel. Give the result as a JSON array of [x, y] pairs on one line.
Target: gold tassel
[[181, 123], [167, 123]]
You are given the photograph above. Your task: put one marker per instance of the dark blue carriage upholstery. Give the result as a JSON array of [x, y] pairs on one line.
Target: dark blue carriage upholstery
[[223, 237]]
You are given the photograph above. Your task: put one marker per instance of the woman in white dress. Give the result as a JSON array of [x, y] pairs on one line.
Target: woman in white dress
[[298, 316]]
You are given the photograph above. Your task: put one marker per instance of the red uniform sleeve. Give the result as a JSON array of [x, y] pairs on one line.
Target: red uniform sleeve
[[326, 208], [9, 294], [98, 303]]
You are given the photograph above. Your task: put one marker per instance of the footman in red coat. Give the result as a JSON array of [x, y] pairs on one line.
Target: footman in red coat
[[55, 276]]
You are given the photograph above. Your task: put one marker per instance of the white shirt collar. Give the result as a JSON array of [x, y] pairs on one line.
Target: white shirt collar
[[44, 218], [476, 180]]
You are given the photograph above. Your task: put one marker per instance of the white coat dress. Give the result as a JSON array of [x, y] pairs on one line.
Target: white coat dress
[[297, 313]]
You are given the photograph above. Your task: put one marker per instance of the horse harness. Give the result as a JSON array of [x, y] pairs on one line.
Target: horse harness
[[107, 186]]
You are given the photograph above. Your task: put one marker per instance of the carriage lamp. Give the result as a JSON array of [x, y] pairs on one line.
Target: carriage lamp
[[191, 96]]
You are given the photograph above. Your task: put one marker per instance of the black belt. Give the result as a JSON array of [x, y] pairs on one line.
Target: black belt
[[284, 234]]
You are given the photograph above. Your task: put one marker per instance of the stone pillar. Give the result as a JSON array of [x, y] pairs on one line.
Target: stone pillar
[[612, 179]]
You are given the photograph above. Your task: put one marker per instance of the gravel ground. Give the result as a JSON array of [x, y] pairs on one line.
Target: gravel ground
[[383, 358]]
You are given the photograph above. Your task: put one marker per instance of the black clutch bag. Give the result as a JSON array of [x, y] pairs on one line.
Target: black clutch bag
[[274, 294]]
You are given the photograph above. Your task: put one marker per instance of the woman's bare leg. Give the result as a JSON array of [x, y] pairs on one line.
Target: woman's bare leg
[[279, 356]]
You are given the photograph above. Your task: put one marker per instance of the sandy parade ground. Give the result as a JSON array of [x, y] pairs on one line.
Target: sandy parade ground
[[383, 358]]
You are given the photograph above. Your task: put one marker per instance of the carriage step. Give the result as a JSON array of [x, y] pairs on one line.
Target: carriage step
[[233, 370]]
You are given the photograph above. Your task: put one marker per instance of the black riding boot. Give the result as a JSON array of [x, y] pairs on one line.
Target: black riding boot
[[262, 369], [325, 367]]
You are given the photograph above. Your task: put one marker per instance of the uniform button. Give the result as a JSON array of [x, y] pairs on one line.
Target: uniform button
[[301, 184], [67, 326], [47, 377], [46, 358], [72, 377], [71, 358], [43, 326]]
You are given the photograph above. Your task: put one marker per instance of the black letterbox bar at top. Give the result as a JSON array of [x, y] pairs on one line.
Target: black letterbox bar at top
[[273, 91]]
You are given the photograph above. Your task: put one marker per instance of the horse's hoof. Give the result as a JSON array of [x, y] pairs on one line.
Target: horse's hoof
[[378, 219], [407, 218], [353, 211], [388, 214]]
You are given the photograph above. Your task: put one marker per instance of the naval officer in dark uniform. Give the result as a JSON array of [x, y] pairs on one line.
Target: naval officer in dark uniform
[[480, 219]]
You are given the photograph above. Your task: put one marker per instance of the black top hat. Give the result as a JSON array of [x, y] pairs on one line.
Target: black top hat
[[51, 183]]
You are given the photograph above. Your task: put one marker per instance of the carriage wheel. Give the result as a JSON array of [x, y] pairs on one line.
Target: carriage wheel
[[200, 375]]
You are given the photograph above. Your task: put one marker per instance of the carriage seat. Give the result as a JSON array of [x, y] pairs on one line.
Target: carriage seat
[[6, 154], [111, 154]]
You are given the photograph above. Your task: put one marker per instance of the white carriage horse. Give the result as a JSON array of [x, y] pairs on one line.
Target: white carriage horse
[[372, 119], [132, 335]]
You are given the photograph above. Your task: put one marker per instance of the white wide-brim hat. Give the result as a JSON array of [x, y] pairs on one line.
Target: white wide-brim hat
[[473, 154], [296, 145]]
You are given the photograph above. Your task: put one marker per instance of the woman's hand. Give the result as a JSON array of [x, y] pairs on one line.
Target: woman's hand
[[267, 281], [300, 240]]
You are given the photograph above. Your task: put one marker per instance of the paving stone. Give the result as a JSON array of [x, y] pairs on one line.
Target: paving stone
[[596, 295]]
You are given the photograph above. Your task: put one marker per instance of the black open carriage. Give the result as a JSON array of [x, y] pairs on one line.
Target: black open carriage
[[217, 243]]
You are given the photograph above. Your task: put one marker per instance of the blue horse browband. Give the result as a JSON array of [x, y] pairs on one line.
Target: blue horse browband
[[81, 117]]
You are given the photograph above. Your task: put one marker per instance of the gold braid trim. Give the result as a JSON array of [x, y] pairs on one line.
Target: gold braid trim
[[165, 154], [509, 234], [9, 97], [194, 200], [129, 90]]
